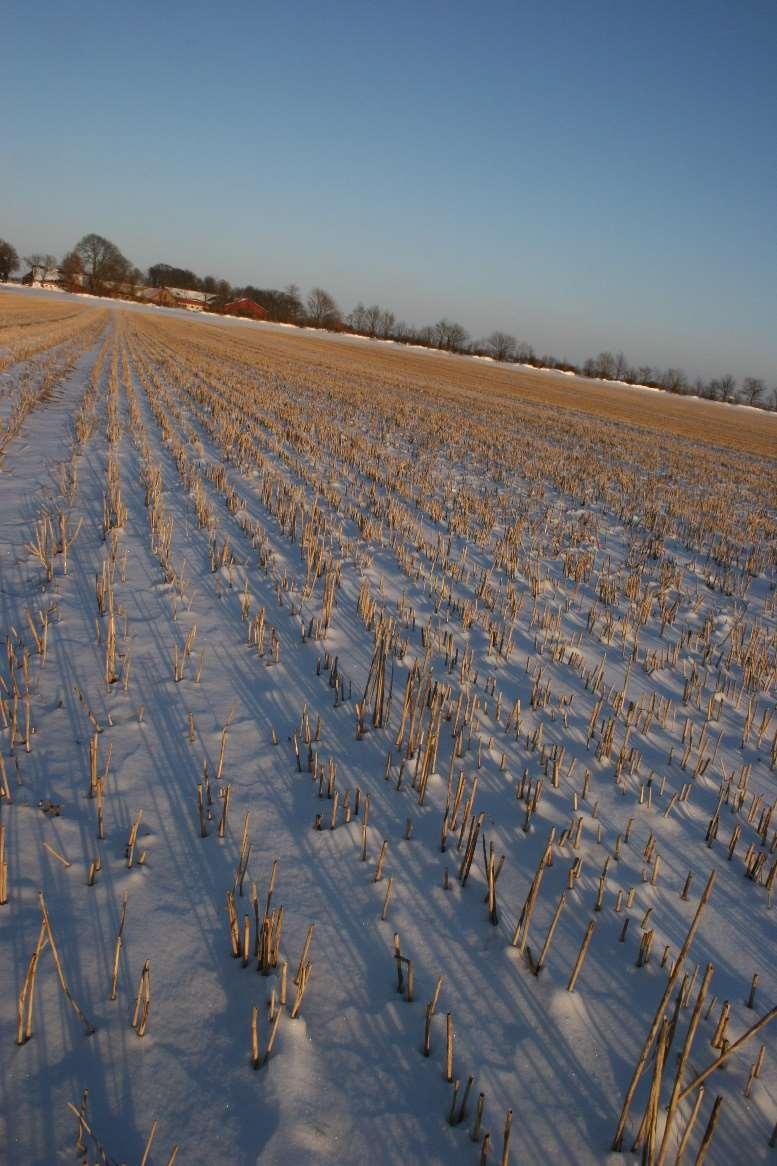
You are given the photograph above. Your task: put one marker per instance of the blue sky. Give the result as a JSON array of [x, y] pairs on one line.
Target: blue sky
[[583, 174]]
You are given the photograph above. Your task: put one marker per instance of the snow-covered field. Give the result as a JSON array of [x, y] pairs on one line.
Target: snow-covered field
[[516, 663]]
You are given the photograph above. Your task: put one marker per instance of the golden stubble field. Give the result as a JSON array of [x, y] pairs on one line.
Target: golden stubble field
[[28, 325], [399, 367]]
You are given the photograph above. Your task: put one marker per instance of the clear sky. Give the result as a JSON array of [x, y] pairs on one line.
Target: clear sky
[[582, 173]]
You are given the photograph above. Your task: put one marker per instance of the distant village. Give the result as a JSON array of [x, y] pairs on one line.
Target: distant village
[[42, 276]]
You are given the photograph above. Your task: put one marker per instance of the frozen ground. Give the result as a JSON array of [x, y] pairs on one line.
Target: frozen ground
[[620, 625]]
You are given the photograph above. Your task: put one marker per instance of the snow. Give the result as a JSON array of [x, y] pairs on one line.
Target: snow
[[346, 1081], [561, 372]]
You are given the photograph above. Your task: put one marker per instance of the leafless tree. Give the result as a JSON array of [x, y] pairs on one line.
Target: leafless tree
[[372, 316], [9, 260], [223, 293], [104, 265], [357, 318], [621, 371], [449, 335], [71, 271], [728, 388], [322, 308], [752, 389], [501, 345], [605, 365], [675, 380], [386, 323], [294, 307], [134, 280]]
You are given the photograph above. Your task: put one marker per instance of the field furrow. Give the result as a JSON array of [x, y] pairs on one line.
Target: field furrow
[[476, 683]]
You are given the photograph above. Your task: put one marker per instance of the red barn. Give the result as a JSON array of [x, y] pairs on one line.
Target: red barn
[[249, 309]]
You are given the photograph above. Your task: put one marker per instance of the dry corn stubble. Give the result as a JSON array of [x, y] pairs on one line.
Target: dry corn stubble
[[523, 629]]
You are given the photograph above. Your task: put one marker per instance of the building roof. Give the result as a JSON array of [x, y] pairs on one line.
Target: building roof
[[181, 294], [245, 307], [245, 303], [196, 297]]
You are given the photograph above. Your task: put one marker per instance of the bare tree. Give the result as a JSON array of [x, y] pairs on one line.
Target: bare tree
[[728, 388], [322, 308], [501, 345], [605, 366], [524, 352], [104, 265], [372, 317], [71, 271], [449, 335], [752, 389], [9, 260], [222, 294], [375, 321], [621, 371], [134, 280], [357, 318], [386, 323], [294, 307], [675, 380]]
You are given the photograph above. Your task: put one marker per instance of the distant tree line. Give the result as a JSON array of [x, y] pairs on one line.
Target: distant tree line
[[615, 367], [96, 265]]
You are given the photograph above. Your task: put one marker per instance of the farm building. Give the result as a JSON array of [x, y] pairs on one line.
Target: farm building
[[195, 301], [249, 309], [176, 297], [41, 274], [161, 296]]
